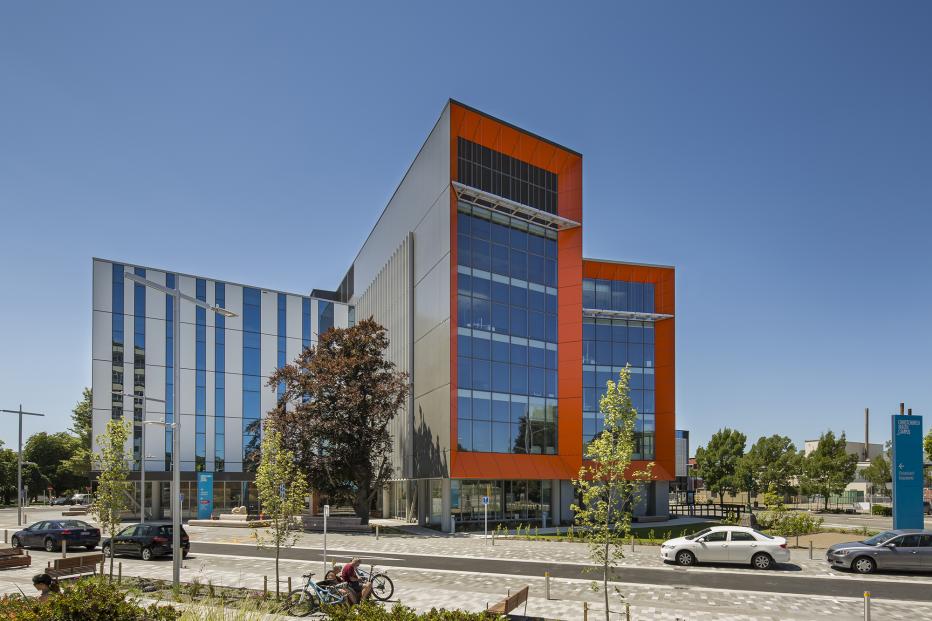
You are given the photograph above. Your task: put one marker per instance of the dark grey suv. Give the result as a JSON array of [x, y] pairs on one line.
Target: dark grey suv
[[903, 549]]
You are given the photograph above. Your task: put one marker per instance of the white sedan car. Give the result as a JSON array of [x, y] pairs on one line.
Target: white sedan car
[[726, 544]]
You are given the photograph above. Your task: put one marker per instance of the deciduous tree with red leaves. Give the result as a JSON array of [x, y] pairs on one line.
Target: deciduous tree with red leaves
[[339, 398]]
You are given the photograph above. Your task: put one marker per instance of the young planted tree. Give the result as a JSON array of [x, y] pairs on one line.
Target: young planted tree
[[879, 474], [113, 487], [282, 489], [339, 399], [607, 485], [79, 465], [717, 462], [772, 463], [829, 469]]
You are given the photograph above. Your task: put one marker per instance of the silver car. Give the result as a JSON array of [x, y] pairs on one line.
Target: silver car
[[905, 549]]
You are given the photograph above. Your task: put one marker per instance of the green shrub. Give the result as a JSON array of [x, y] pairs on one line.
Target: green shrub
[[85, 600], [399, 612], [881, 510]]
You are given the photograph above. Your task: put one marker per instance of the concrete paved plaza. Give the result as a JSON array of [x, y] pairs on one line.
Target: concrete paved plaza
[[473, 590]]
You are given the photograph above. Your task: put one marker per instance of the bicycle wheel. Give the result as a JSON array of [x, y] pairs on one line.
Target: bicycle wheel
[[301, 603], [382, 587]]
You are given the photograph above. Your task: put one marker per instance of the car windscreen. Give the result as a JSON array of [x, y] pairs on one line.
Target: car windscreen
[[694, 536], [879, 538]]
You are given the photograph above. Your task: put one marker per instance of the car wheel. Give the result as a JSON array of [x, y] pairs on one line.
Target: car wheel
[[762, 560], [685, 558], [106, 550], [146, 554], [49, 544], [15, 542], [864, 565]]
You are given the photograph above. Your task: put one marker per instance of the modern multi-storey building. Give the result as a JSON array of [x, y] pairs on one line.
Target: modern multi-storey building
[[225, 365], [476, 269]]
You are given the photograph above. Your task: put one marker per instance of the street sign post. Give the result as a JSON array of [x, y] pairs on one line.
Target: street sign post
[[485, 510], [907, 471], [326, 515]]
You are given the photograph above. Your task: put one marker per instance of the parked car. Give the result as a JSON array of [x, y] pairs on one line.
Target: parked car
[[726, 544], [927, 507], [908, 549], [80, 499], [49, 534], [146, 541], [61, 501]]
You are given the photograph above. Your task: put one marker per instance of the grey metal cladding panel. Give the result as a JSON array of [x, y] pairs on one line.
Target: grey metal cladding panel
[[425, 181], [432, 434]]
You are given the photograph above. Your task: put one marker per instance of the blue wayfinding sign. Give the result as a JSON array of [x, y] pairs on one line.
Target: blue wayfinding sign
[[205, 495], [907, 471]]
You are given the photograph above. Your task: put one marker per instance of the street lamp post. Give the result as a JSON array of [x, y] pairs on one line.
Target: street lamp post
[[142, 451], [176, 405], [19, 462]]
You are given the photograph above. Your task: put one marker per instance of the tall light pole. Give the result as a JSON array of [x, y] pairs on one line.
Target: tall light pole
[[176, 404], [19, 462], [142, 451]]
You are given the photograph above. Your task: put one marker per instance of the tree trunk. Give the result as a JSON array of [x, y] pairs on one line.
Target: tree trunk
[[826, 501], [362, 504]]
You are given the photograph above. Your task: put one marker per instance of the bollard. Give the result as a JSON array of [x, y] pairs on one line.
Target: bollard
[[265, 586], [867, 606], [376, 532], [5, 533], [64, 550], [493, 538], [289, 584], [120, 572], [632, 543], [627, 611], [810, 549], [585, 611], [547, 584]]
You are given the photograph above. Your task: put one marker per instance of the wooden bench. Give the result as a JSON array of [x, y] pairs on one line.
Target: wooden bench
[[14, 557], [74, 566], [510, 603]]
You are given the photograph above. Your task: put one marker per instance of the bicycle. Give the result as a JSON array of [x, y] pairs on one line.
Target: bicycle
[[314, 596], [382, 586]]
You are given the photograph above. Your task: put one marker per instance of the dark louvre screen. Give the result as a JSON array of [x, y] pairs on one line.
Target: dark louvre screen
[[499, 174]]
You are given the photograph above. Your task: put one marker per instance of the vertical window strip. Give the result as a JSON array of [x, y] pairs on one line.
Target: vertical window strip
[[169, 369], [252, 321], [200, 379], [305, 322], [118, 341], [324, 316], [282, 338], [219, 379], [139, 365]]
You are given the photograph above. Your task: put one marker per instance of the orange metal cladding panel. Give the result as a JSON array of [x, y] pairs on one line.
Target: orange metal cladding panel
[[664, 279], [495, 135]]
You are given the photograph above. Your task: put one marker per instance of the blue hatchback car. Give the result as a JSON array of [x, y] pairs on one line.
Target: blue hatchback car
[[49, 534]]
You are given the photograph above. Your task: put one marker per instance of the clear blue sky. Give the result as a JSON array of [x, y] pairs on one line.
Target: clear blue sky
[[777, 153]]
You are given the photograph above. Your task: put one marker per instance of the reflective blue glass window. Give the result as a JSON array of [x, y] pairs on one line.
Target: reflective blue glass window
[[496, 300], [252, 320], [219, 378], [325, 316]]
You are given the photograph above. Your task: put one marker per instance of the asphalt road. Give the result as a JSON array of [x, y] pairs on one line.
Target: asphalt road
[[773, 581]]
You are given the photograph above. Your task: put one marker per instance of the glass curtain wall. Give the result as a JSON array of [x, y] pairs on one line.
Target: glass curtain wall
[[506, 334], [608, 345], [509, 501]]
